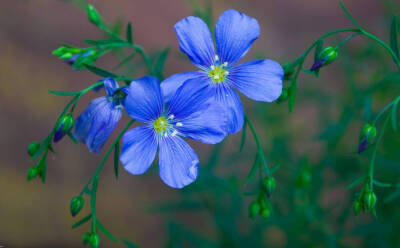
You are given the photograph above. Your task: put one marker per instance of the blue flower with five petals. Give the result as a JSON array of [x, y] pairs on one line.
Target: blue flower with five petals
[[98, 120], [187, 115], [260, 80]]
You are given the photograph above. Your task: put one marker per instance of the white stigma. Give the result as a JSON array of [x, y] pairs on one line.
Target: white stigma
[[216, 58], [179, 124], [171, 117], [174, 133], [225, 64], [212, 67], [216, 76]]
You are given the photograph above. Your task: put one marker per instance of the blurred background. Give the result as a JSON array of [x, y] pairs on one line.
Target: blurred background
[[314, 146]]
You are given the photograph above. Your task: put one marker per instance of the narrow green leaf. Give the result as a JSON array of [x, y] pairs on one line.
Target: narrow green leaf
[[394, 113], [93, 193], [125, 60], [63, 93], [82, 221], [292, 91], [129, 33], [392, 197], [72, 138], [99, 42], [355, 183], [394, 31], [128, 243], [274, 169], [349, 16], [318, 49], [253, 170], [106, 232], [386, 185], [100, 72], [116, 158], [243, 140]]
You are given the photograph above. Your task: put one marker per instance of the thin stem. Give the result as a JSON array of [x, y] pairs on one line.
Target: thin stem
[[260, 151], [347, 39]]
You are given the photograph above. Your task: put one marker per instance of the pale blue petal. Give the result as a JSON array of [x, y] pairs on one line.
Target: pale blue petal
[[172, 83], [178, 162], [230, 100], [139, 147], [110, 86], [260, 80], [195, 41], [144, 101], [189, 98], [235, 32], [209, 125]]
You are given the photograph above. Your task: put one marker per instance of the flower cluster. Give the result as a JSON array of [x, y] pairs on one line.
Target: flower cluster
[[201, 105]]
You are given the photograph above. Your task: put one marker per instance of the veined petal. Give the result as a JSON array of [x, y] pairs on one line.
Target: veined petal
[[178, 162], [96, 123], [189, 98], [209, 125], [195, 41], [235, 32], [260, 80], [110, 86], [144, 101], [230, 101], [139, 147], [172, 83]]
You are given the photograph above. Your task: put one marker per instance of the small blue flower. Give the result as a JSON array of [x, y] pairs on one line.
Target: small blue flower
[[188, 114], [96, 123], [260, 80]]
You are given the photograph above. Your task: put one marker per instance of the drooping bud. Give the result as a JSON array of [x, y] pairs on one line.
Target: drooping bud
[[93, 15], [357, 206], [33, 148], [369, 200], [269, 185], [94, 240], [288, 68], [32, 173], [76, 205], [368, 132], [64, 127], [254, 209], [86, 238], [266, 212], [325, 57]]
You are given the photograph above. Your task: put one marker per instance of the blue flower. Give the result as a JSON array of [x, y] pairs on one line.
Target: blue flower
[[188, 114], [96, 123], [235, 32]]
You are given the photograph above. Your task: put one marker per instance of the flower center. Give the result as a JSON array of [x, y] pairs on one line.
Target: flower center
[[218, 71], [118, 97], [166, 126], [160, 125]]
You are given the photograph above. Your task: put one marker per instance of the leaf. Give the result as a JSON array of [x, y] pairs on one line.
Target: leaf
[[100, 72], [292, 91], [253, 170], [128, 243], [318, 49], [355, 183], [349, 16], [125, 60], [243, 140], [99, 42], [394, 113], [159, 66], [63, 93], [392, 197], [129, 33], [82, 221], [116, 158], [105, 231], [394, 43], [385, 185]]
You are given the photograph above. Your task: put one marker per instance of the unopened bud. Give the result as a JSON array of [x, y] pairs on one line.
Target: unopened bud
[[269, 184], [266, 212], [76, 205], [64, 127], [368, 132], [94, 240], [357, 206], [284, 95], [93, 15], [369, 200], [33, 148], [254, 209], [32, 173], [86, 238], [325, 57]]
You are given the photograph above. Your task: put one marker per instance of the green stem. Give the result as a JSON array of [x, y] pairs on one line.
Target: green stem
[[260, 151]]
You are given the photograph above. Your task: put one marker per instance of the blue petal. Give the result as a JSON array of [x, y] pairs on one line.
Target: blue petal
[[178, 162], [209, 125], [96, 123], [172, 83], [235, 32], [144, 101], [189, 98], [139, 147], [260, 80], [230, 100], [110, 86], [195, 41], [58, 135]]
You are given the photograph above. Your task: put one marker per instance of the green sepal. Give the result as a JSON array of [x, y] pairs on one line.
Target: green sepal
[[81, 221], [106, 232], [129, 37], [93, 15], [76, 205]]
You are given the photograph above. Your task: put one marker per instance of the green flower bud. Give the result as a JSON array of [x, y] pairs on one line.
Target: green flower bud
[[59, 51], [67, 55], [93, 15], [33, 148], [357, 207], [254, 209], [94, 240], [288, 68], [269, 184], [32, 173], [266, 212], [328, 55], [369, 200], [76, 205], [68, 123], [86, 238], [304, 179], [368, 132]]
